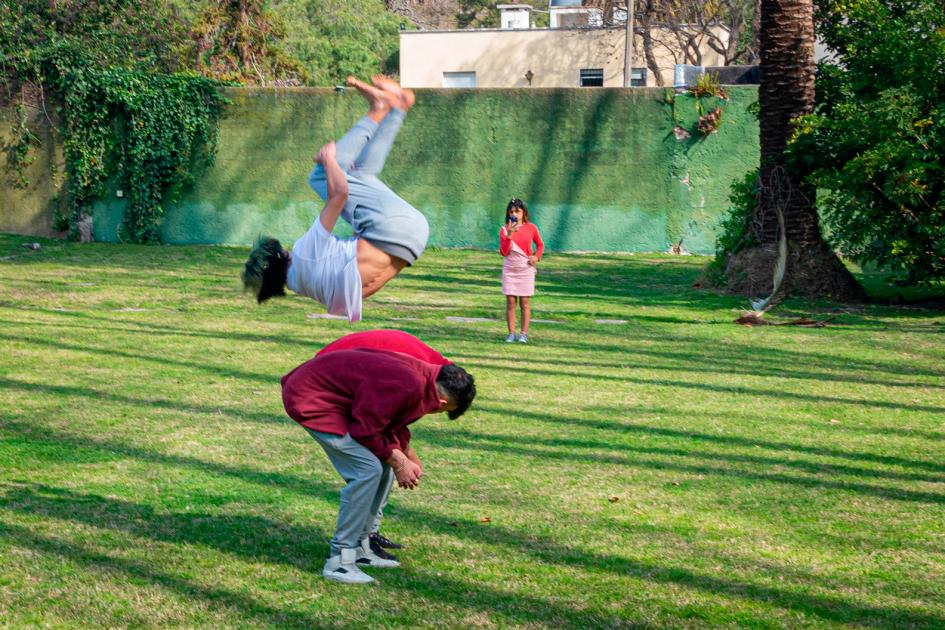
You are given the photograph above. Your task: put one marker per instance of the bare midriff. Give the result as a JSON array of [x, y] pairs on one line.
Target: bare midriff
[[376, 267]]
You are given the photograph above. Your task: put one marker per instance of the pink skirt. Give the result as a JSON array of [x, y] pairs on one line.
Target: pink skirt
[[518, 277]]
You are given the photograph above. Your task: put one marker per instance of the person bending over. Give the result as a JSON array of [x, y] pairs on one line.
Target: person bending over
[[357, 404], [389, 233], [394, 341]]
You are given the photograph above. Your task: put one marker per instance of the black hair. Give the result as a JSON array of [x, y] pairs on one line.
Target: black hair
[[515, 202], [459, 385], [266, 269]]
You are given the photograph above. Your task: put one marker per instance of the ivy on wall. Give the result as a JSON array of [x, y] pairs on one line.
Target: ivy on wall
[[145, 131], [110, 71]]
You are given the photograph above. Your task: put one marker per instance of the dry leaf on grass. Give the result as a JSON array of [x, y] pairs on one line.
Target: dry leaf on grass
[[753, 318], [485, 519]]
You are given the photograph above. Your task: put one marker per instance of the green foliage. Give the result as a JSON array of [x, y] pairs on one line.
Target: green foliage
[[478, 14], [325, 40], [733, 234], [334, 38], [19, 152], [707, 84], [145, 130], [124, 115], [241, 41], [709, 122], [37, 34], [876, 141]]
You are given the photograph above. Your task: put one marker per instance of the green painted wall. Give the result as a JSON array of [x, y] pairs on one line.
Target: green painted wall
[[601, 169]]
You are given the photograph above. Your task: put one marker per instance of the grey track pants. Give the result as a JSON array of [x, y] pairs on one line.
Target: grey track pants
[[367, 484], [376, 213]]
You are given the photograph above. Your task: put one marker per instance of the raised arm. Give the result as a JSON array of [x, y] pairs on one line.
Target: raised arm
[[337, 186]]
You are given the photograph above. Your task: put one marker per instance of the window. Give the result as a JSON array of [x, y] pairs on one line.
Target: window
[[592, 77], [459, 79], [638, 77]]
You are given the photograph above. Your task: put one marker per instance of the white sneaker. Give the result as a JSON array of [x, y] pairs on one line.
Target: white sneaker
[[343, 568], [523, 338], [510, 338], [367, 557]]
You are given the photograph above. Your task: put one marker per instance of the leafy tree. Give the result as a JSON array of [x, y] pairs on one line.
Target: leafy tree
[[110, 68], [876, 141], [240, 41], [131, 34], [335, 38], [478, 14]]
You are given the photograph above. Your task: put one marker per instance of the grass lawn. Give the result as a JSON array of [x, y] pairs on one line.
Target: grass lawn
[[663, 469]]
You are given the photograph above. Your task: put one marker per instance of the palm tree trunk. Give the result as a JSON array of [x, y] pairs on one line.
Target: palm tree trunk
[[787, 92]]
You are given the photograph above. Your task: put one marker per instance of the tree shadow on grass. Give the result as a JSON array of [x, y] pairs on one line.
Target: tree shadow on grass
[[720, 362], [725, 440], [221, 599], [760, 360], [99, 396], [576, 452], [102, 512], [489, 361], [252, 538], [749, 392], [257, 538]]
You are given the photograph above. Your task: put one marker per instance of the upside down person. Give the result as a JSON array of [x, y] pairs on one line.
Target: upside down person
[[389, 233]]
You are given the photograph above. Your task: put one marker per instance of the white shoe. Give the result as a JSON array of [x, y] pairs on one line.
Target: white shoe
[[523, 338], [343, 568], [510, 338], [367, 557]]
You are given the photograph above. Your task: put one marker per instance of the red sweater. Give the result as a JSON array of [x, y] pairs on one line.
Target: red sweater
[[392, 340], [523, 237], [371, 394]]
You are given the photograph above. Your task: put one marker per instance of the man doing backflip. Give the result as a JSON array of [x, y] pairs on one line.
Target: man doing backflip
[[390, 234]]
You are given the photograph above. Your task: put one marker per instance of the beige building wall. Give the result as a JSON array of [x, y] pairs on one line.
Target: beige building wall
[[502, 57]]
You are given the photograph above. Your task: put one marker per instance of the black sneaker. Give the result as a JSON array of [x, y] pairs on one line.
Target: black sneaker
[[378, 540], [380, 552]]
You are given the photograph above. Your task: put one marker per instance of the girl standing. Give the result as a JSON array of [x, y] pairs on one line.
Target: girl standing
[[518, 270]]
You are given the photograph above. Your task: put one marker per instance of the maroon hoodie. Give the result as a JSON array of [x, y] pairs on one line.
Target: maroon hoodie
[[371, 394]]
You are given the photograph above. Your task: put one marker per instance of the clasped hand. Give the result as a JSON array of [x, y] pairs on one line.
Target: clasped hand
[[408, 475]]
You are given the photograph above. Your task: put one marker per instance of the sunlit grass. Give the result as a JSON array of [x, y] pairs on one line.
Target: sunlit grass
[[666, 468]]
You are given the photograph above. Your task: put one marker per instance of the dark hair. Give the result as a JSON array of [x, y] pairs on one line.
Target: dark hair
[[515, 202], [266, 269], [459, 385]]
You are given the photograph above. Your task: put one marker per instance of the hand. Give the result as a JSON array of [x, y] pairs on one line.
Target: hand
[[408, 475], [511, 228], [533, 260], [326, 153], [412, 456]]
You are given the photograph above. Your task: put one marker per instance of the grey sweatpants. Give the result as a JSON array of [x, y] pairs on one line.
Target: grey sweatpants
[[376, 213], [367, 484]]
